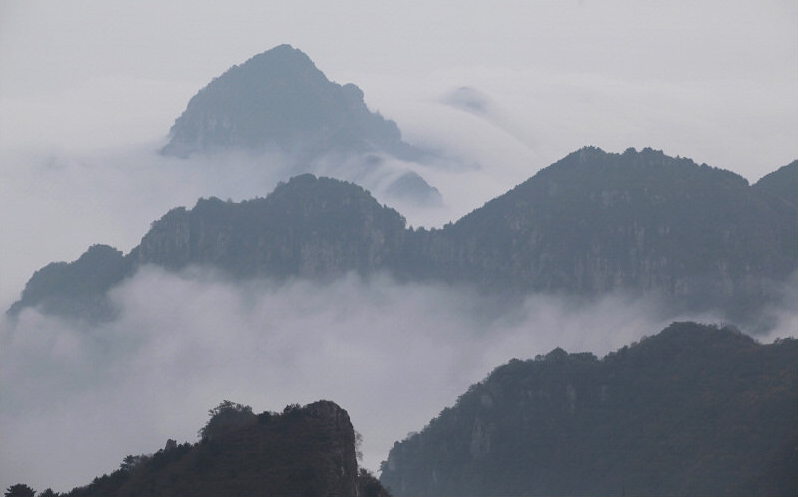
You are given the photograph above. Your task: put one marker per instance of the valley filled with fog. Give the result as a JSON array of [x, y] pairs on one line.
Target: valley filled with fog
[[80, 398], [490, 105]]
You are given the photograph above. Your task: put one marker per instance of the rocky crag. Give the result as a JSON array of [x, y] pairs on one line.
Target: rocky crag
[[302, 451]]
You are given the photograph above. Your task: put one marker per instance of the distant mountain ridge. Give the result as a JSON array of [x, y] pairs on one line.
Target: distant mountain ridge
[[594, 222], [694, 410]]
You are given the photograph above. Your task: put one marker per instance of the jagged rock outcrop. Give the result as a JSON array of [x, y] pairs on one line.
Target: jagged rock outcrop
[[694, 410], [303, 451], [697, 237]]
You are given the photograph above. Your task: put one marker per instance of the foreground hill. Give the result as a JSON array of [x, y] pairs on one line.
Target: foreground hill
[[694, 410], [303, 451], [696, 237]]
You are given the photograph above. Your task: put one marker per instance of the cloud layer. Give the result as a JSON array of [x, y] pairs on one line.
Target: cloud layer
[[77, 399]]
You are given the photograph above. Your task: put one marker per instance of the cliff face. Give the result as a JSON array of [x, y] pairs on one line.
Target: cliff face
[[695, 410], [303, 451], [310, 227], [638, 222]]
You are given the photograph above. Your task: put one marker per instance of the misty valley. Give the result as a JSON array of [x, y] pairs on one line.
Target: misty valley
[[616, 323]]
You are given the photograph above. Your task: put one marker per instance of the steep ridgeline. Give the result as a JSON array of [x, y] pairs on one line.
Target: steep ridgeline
[[77, 288], [641, 222], [780, 185], [279, 98], [779, 190], [302, 451], [694, 410], [310, 227]]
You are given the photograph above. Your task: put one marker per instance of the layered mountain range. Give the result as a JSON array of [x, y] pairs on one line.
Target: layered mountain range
[[694, 410], [640, 222], [698, 410]]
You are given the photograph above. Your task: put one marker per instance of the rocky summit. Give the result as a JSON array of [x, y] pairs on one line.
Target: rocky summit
[[306, 450], [280, 99]]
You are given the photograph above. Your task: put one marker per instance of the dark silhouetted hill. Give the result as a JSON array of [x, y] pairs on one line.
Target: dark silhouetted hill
[[696, 237], [695, 410], [76, 289], [302, 451], [642, 221], [309, 227]]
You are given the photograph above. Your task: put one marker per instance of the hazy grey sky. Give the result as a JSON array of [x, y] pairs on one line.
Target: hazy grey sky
[[89, 89], [712, 80]]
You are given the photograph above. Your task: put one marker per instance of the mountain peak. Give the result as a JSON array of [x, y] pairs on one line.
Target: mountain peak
[[280, 100], [279, 63]]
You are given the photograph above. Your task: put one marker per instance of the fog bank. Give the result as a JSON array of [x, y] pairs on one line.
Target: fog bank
[[78, 399]]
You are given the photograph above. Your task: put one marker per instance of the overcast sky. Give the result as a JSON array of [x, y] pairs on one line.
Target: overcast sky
[[89, 89], [712, 80]]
